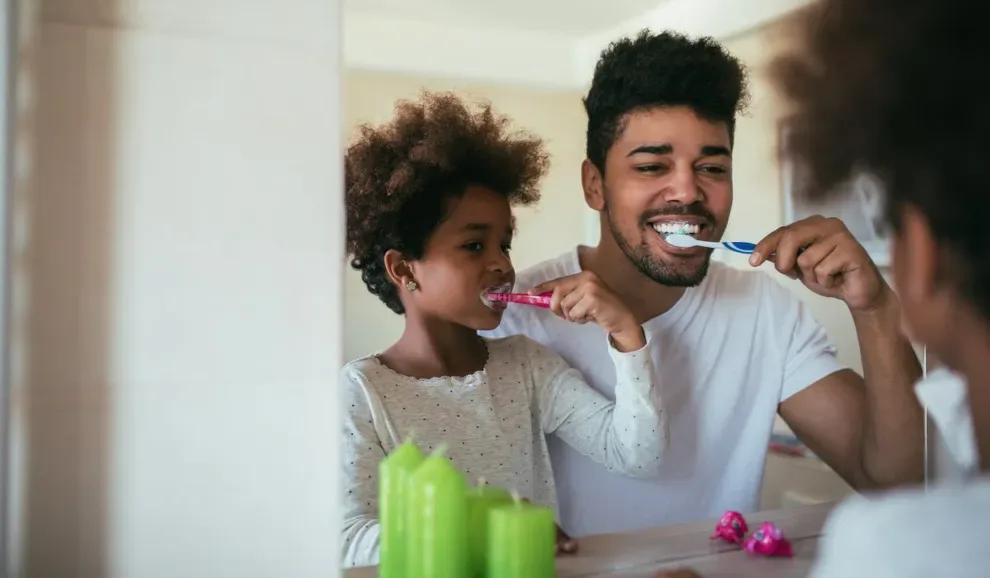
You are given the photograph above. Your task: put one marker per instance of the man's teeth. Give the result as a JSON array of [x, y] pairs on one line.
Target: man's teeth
[[676, 228]]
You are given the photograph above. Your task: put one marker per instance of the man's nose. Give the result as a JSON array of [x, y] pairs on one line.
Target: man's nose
[[683, 188]]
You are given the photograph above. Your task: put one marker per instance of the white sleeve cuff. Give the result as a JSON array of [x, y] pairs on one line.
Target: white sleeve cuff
[[636, 362], [613, 351]]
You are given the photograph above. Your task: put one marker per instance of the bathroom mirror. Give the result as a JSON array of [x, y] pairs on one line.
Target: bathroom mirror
[[534, 61]]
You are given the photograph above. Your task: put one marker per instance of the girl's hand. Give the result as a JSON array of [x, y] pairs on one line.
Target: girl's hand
[[584, 297], [565, 544]]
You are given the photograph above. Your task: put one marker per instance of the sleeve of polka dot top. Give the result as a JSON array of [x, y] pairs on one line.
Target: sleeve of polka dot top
[[362, 453], [627, 436]]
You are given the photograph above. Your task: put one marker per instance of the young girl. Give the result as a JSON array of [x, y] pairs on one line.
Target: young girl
[[429, 225], [879, 86]]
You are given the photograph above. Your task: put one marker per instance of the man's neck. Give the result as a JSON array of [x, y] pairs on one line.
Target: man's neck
[[643, 295]]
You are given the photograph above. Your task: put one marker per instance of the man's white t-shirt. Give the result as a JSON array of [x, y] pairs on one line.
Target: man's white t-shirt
[[727, 354]]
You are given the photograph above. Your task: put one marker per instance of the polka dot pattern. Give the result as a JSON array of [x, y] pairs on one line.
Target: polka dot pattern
[[493, 423]]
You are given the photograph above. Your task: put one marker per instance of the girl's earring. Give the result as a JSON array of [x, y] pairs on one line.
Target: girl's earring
[[412, 286]]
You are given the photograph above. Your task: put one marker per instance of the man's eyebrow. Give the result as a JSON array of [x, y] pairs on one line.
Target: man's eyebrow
[[715, 151], [661, 149], [666, 149]]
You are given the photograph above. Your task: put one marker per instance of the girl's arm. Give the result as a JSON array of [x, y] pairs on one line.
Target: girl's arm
[[362, 453], [627, 436]]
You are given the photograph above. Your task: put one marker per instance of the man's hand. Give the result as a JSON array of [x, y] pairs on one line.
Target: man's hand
[[827, 259], [583, 297]]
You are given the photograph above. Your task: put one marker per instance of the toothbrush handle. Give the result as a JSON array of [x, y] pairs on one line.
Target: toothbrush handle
[[739, 246], [542, 300], [747, 248]]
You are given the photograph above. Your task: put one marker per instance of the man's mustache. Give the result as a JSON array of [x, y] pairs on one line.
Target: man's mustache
[[692, 210]]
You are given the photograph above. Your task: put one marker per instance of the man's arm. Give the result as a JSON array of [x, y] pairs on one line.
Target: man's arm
[[870, 431]]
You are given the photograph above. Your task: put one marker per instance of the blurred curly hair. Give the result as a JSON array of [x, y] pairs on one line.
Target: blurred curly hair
[[401, 176], [891, 88], [664, 69]]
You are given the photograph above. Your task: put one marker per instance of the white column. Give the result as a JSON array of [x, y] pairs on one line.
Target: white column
[[186, 239]]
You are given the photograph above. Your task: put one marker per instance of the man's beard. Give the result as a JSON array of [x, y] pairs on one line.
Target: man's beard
[[652, 266]]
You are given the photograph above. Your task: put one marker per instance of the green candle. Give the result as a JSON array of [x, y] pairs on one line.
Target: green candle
[[437, 520], [481, 500], [393, 480], [521, 539]]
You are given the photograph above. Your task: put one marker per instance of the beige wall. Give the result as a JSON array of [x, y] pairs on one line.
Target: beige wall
[[554, 226]]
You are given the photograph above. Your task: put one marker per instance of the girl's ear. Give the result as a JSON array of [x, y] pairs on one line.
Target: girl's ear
[[398, 270]]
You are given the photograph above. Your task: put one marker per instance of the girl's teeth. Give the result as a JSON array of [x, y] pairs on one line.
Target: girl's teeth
[[677, 228]]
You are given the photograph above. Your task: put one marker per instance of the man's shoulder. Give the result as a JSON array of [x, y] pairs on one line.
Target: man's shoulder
[[559, 266], [516, 348]]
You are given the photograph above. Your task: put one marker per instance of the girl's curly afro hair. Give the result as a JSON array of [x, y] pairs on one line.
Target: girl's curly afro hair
[[891, 88], [400, 177]]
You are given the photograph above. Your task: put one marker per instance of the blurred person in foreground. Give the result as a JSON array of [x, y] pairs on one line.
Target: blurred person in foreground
[[888, 87]]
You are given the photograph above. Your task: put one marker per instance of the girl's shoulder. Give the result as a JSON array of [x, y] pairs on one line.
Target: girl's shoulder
[[361, 364], [366, 368]]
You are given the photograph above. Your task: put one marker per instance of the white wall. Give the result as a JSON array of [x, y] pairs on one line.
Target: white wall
[[516, 49], [185, 290]]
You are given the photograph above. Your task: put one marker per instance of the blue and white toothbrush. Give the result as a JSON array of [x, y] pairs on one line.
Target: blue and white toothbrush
[[687, 241]]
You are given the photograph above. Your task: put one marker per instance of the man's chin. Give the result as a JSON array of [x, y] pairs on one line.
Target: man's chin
[[672, 269], [677, 273]]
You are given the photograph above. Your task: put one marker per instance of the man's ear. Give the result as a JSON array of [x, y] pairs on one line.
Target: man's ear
[[398, 269], [592, 181]]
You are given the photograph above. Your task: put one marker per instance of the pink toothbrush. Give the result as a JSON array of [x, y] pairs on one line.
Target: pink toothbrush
[[542, 300]]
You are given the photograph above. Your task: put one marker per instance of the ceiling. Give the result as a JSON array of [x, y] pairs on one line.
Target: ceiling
[[541, 43], [553, 16]]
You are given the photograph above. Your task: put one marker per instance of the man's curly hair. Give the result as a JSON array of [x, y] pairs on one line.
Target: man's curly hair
[[890, 87], [665, 69], [400, 177]]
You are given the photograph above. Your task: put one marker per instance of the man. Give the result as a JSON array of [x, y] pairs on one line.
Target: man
[[734, 347], [885, 86]]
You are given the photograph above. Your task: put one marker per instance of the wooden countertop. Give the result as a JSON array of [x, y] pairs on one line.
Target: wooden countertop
[[641, 554]]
